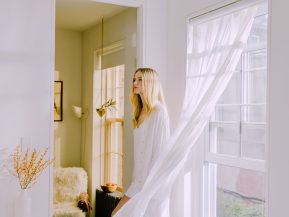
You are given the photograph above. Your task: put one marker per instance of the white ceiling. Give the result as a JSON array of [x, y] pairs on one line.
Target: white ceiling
[[80, 15]]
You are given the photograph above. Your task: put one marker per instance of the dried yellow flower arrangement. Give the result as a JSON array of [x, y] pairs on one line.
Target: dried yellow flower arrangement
[[28, 165]]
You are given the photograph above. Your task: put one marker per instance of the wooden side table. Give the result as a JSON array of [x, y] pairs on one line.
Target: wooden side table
[[106, 202]]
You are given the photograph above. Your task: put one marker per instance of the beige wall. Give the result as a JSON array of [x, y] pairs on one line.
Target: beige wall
[[67, 134]]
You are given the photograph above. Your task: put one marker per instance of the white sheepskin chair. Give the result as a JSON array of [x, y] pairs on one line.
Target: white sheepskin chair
[[68, 184]]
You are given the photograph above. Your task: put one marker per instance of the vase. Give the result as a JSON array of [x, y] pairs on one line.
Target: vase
[[100, 112], [22, 204]]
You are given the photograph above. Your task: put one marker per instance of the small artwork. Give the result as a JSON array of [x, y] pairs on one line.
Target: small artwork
[[58, 92]]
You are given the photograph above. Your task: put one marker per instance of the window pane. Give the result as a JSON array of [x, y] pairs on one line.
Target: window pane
[[115, 172], [115, 152], [114, 81], [232, 93], [225, 139], [258, 33], [254, 113], [120, 76], [239, 66], [256, 59], [113, 88], [231, 191], [119, 102], [239, 192], [253, 141], [227, 113], [255, 84]]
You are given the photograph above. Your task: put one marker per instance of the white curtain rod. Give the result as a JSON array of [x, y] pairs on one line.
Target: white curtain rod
[[225, 5]]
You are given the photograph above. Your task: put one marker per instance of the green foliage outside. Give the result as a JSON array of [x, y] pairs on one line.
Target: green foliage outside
[[230, 205]]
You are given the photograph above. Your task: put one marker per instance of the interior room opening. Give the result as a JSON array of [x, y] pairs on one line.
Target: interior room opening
[[95, 56]]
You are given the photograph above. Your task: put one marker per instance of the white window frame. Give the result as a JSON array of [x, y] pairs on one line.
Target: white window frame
[[211, 160], [98, 129], [245, 163]]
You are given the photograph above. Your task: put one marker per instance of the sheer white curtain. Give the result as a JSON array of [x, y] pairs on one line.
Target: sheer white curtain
[[214, 49]]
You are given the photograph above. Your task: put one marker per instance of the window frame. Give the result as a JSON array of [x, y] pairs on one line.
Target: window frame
[[240, 162], [212, 160]]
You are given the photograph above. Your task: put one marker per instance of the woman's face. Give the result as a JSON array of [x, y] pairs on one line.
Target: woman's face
[[137, 83]]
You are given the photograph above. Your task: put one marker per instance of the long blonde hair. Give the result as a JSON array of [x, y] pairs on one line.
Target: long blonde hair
[[152, 92]]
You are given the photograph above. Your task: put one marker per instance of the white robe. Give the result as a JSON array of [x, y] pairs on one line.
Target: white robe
[[149, 142]]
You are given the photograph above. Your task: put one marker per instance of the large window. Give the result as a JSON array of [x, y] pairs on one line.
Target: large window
[[107, 137], [236, 135], [114, 125]]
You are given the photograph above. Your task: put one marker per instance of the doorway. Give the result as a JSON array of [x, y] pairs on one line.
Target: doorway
[[77, 39]]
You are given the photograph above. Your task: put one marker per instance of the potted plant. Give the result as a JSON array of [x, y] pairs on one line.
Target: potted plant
[[27, 165]]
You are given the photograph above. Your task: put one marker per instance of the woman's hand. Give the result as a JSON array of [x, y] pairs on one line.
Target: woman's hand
[[120, 204]]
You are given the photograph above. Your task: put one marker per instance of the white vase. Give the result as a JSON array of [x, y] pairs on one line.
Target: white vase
[[22, 204]]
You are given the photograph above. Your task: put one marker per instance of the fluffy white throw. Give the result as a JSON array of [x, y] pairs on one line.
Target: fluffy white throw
[[68, 184]]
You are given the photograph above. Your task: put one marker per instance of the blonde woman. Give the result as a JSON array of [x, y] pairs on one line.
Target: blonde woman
[[151, 130]]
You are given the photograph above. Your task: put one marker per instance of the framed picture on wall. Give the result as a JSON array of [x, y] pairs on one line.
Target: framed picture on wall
[[58, 93]]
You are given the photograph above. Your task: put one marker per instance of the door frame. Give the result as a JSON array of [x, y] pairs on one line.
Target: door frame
[[140, 5]]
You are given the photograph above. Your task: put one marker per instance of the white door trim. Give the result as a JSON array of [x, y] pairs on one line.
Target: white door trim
[[126, 3]]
